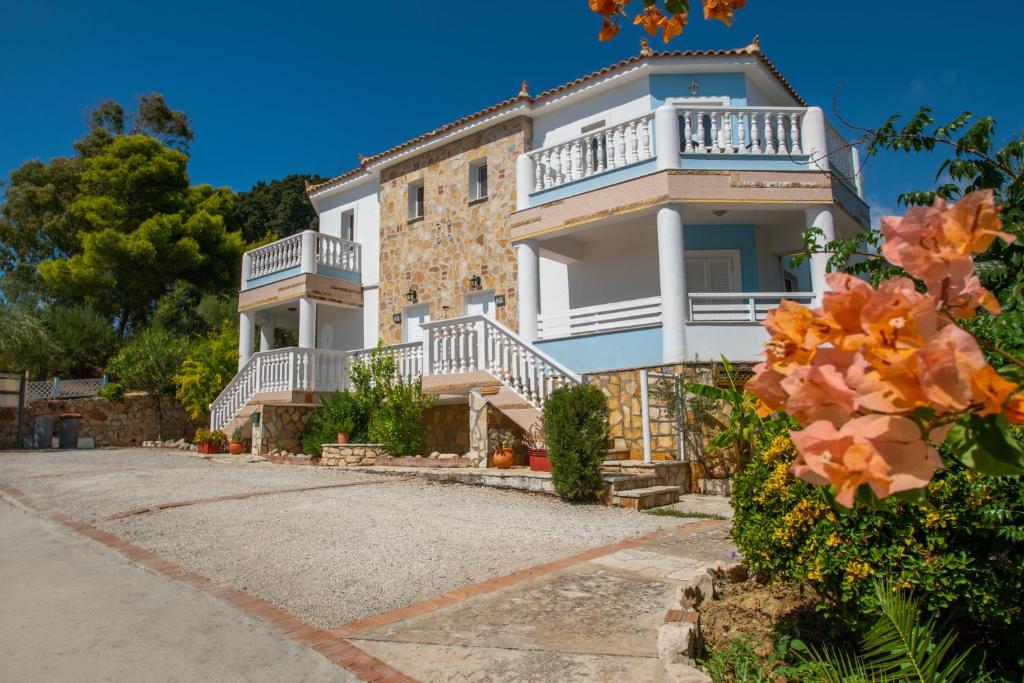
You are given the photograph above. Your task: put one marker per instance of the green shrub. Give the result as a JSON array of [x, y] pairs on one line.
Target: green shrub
[[112, 392], [398, 421], [576, 431], [961, 553], [210, 365], [338, 412]]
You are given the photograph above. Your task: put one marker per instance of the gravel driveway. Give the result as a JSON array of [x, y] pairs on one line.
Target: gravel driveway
[[331, 555]]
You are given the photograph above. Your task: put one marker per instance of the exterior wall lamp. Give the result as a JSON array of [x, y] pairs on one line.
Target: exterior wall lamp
[[411, 296], [396, 318], [693, 87], [499, 300], [475, 282]]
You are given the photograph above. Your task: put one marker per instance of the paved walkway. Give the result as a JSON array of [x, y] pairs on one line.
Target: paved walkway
[[72, 610]]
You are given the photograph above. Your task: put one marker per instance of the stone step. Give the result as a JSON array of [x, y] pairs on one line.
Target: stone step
[[615, 454], [614, 483], [649, 497]]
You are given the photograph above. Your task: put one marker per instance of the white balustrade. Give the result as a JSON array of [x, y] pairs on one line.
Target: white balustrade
[[290, 369], [618, 315], [332, 252], [739, 306], [762, 131], [607, 148], [408, 359], [477, 343]]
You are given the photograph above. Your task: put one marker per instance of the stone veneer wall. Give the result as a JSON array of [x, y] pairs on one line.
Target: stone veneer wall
[[622, 389], [436, 257], [447, 429], [352, 454], [281, 427], [109, 423]]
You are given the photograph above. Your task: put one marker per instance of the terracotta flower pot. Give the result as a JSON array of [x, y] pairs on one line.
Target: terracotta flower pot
[[539, 460], [235, 447], [502, 458], [342, 437]]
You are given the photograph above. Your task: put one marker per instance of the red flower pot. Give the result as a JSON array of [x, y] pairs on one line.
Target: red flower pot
[[539, 460], [208, 448]]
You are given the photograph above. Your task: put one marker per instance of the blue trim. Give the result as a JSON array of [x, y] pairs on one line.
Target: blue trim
[[733, 86], [349, 275], [595, 182], [618, 349], [272, 277], [737, 162], [741, 237]]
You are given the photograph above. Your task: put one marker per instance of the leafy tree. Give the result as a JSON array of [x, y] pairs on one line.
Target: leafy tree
[[153, 118], [278, 208], [186, 310], [149, 362], [24, 344], [142, 229], [82, 341], [207, 369], [576, 432]]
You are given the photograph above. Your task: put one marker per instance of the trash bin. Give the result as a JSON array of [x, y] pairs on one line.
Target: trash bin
[[69, 424], [42, 435]]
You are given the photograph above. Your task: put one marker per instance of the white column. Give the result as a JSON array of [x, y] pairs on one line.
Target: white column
[[813, 140], [307, 323], [307, 262], [820, 217], [266, 337], [672, 277], [858, 179], [666, 137], [246, 270], [246, 335], [524, 181], [528, 259]]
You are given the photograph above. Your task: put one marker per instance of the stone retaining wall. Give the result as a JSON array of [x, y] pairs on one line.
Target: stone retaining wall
[[352, 454], [447, 429], [109, 423], [280, 428]]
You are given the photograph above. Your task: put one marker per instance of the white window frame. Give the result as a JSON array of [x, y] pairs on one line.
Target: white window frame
[[736, 276], [415, 212], [344, 232], [475, 167]]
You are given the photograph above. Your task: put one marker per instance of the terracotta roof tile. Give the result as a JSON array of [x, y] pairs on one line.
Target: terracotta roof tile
[[752, 49]]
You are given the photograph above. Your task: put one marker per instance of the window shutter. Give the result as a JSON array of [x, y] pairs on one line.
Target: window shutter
[[696, 274], [720, 274]]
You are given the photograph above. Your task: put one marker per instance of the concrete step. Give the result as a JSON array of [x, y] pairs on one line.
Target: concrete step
[[646, 498], [615, 483], [514, 407], [615, 454]]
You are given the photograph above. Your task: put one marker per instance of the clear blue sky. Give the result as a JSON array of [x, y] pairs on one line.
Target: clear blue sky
[[284, 87]]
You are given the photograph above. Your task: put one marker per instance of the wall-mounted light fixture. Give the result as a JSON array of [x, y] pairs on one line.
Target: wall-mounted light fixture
[[693, 87], [719, 212], [292, 310], [499, 300], [397, 318], [475, 282], [411, 296]]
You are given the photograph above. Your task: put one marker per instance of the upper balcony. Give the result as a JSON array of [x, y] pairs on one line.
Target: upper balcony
[[309, 263], [761, 140]]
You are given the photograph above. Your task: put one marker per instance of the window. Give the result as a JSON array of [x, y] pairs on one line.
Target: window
[[789, 282], [348, 225], [416, 200], [478, 180], [712, 270]]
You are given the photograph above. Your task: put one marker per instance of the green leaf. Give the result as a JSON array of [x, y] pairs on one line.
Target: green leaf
[[986, 445]]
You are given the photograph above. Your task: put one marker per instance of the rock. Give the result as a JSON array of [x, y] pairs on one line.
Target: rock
[[255, 458], [435, 454], [684, 673], [445, 456], [147, 444], [677, 642]]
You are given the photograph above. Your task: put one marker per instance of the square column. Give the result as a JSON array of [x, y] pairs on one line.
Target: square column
[[820, 217], [307, 323], [528, 261], [672, 278], [246, 335], [266, 337]]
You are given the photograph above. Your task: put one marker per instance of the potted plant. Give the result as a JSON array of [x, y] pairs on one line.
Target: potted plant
[[235, 446], [206, 442], [537, 448], [503, 457], [344, 426]]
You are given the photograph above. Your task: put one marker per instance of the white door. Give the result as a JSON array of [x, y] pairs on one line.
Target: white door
[[480, 303], [412, 320]]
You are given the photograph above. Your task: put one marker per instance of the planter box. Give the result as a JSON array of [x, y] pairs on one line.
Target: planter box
[[207, 448], [539, 460]]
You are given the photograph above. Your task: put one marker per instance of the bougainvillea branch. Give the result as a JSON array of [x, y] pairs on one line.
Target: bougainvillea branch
[[667, 16]]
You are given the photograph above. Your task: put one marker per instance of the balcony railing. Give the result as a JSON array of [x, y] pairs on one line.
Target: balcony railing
[[408, 358], [305, 252], [605, 149], [739, 306], [759, 131], [618, 315]]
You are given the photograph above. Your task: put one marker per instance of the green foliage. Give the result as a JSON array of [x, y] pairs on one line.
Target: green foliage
[[204, 435], [114, 391], [898, 647], [338, 412], [24, 344], [186, 310], [206, 370], [960, 549], [398, 421], [82, 340], [576, 432], [277, 209], [740, 662], [148, 362]]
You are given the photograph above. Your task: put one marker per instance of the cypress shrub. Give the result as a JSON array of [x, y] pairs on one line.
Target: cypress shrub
[[576, 431]]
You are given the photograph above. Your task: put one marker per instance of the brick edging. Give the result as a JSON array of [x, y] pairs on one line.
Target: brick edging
[[458, 595], [341, 652]]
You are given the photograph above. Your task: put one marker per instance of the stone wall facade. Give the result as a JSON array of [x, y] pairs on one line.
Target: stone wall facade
[[280, 428], [109, 423], [447, 429], [456, 238], [352, 454]]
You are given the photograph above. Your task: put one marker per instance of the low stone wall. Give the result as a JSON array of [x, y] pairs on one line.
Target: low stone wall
[[109, 423], [280, 428], [352, 454]]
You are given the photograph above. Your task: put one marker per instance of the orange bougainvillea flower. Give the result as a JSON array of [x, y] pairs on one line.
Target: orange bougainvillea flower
[[651, 19], [897, 320], [673, 26], [916, 242], [972, 224], [883, 451], [722, 10], [1015, 409], [792, 343], [965, 296], [766, 384], [606, 8], [839, 317], [820, 391], [991, 391], [609, 29], [947, 363]]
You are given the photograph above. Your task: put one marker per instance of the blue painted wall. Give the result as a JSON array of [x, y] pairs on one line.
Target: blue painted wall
[[273, 277], [802, 273], [621, 349], [733, 86], [742, 237], [594, 182]]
